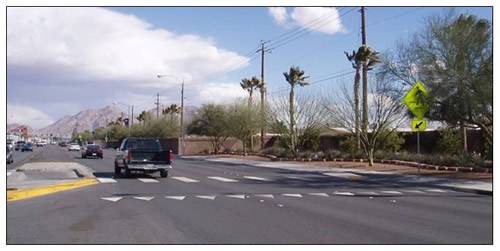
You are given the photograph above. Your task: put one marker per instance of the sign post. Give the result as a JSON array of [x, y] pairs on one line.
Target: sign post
[[417, 100]]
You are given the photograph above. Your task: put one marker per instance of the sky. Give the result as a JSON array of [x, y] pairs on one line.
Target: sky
[[61, 60]]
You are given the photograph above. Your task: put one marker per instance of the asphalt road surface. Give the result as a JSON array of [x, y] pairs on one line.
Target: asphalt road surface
[[210, 202]]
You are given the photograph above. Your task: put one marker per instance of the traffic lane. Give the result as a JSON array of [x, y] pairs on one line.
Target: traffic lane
[[80, 217], [20, 158]]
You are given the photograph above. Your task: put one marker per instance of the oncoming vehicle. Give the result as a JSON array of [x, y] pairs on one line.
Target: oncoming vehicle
[[27, 147], [142, 155], [92, 151], [20, 144], [73, 147]]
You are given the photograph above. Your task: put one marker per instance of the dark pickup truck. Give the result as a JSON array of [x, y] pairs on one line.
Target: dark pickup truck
[[142, 155]]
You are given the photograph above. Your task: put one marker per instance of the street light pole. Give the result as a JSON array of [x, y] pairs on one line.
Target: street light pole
[[182, 112]]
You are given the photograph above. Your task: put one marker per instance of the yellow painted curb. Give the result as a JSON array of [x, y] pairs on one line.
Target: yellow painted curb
[[28, 193]]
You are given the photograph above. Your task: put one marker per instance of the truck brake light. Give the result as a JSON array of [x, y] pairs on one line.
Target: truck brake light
[[171, 156], [129, 156]]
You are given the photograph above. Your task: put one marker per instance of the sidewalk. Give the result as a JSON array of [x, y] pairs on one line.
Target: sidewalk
[[480, 183]]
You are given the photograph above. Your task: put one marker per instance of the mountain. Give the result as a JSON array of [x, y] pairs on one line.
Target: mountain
[[85, 120]]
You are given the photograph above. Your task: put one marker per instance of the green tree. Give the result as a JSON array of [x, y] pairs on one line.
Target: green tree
[[392, 140], [211, 121], [355, 59], [453, 57], [244, 120], [369, 59], [294, 77], [145, 117]]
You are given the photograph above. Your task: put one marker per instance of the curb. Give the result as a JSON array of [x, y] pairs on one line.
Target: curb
[[13, 195]]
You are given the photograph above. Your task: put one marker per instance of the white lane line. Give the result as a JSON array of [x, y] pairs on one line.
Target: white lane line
[[367, 193], [237, 196], [391, 192], [184, 179], [256, 178], [436, 190], [345, 175], [106, 180], [270, 196], [144, 198], [343, 193], [297, 178], [206, 197], [412, 191], [320, 194], [9, 173], [148, 180], [176, 197], [113, 199], [292, 195], [222, 179]]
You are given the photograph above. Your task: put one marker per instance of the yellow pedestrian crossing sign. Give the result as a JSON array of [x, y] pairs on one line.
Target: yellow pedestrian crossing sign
[[417, 100], [418, 125]]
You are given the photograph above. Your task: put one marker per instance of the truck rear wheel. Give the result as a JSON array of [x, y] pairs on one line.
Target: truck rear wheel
[[118, 170], [163, 173], [127, 172]]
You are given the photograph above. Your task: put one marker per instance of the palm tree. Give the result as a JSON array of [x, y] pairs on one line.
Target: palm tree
[[369, 59], [294, 77], [356, 64], [172, 109], [250, 85], [144, 116]]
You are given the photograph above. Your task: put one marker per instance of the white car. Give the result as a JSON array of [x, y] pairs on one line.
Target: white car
[[73, 147]]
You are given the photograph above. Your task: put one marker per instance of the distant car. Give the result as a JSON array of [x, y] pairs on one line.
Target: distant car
[[73, 147], [62, 144], [19, 145], [10, 158], [10, 147], [92, 151], [39, 144], [27, 147]]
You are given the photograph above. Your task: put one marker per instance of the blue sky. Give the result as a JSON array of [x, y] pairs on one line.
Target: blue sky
[[63, 60]]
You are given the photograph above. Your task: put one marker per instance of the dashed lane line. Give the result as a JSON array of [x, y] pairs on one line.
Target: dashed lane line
[[176, 197], [184, 179], [222, 179], [256, 178], [148, 180]]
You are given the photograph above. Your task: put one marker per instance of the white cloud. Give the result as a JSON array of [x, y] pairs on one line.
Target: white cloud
[[96, 43], [217, 93], [28, 116], [279, 14], [318, 19]]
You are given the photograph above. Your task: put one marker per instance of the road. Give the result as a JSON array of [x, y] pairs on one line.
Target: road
[[211, 202]]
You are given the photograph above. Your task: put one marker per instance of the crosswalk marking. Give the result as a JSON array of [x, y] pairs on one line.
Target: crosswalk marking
[[343, 193], [113, 199], [436, 190], [391, 192], [270, 196], [106, 180], [256, 178], [184, 179], [222, 179], [176, 197], [148, 180], [144, 198], [237, 196], [320, 194], [292, 195], [206, 197]]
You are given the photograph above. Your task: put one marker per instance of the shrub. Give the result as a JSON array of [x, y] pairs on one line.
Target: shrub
[[449, 141], [348, 145], [389, 141]]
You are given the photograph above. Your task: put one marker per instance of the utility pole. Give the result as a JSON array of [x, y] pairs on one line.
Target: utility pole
[[263, 50], [131, 122], [182, 119], [157, 103], [365, 75]]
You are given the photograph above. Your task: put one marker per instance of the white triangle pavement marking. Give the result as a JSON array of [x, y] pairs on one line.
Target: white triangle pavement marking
[[319, 194], [106, 180], [343, 193], [436, 190], [368, 193], [238, 196], [391, 192], [256, 178], [175, 197], [113, 199], [413, 191], [9, 173], [206, 197], [292, 195], [184, 179], [144, 198], [222, 179], [148, 180], [270, 196]]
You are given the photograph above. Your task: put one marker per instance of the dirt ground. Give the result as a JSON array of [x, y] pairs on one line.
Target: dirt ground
[[487, 177]]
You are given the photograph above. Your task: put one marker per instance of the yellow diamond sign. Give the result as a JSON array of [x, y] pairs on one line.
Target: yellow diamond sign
[[417, 100]]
